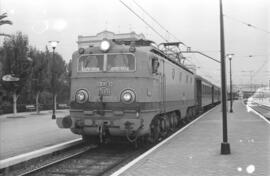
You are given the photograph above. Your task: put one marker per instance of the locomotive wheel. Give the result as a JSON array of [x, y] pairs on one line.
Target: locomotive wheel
[[155, 130], [171, 122], [193, 112], [167, 123], [189, 115], [175, 120], [163, 127], [179, 120]]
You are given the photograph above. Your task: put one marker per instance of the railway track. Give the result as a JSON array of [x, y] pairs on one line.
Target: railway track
[[92, 160], [95, 161], [261, 109]]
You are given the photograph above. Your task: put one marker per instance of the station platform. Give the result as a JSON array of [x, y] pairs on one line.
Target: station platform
[[28, 131], [195, 150]]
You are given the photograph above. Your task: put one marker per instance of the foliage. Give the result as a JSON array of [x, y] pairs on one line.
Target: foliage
[[39, 70], [15, 61], [2, 22], [34, 68], [57, 66]]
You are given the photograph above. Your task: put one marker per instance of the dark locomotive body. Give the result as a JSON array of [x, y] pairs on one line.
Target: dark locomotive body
[[132, 89]]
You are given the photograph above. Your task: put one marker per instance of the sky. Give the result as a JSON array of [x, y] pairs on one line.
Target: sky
[[194, 22]]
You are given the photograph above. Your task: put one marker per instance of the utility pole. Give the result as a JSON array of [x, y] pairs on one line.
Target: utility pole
[[225, 146]]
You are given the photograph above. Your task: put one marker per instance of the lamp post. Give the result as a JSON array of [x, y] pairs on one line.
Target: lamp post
[[53, 44], [231, 97], [225, 145]]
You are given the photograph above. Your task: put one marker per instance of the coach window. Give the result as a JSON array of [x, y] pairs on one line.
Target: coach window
[[91, 63], [203, 89], [120, 62]]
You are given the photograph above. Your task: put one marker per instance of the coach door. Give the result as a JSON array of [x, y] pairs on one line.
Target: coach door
[[159, 75], [212, 93], [199, 91], [163, 87]]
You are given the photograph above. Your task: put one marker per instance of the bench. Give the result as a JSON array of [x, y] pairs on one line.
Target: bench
[[30, 107], [63, 106]]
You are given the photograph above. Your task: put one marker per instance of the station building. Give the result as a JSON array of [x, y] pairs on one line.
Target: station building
[[86, 41]]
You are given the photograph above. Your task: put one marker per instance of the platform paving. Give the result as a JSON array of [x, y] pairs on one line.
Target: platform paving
[[196, 150], [29, 131]]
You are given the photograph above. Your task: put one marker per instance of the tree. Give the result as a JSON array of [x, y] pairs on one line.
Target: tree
[[39, 74], [59, 68], [1, 74], [2, 22], [63, 85], [16, 64]]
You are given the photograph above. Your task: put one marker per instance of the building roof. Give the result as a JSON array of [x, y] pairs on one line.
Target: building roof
[[86, 41]]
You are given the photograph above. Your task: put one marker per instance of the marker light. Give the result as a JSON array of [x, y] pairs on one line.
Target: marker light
[[105, 45], [81, 96], [132, 47], [81, 50], [127, 96]]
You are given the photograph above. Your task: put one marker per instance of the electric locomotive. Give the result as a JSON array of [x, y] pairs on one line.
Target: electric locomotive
[[130, 90]]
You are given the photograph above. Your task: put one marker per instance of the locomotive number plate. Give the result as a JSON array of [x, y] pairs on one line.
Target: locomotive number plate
[[104, 91], [105, 88]]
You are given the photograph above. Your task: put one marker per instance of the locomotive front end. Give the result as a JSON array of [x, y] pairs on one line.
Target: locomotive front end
[[105, 88]]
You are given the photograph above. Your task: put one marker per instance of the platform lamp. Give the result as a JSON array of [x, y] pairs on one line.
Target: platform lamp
[[53, 44], [231, 97]]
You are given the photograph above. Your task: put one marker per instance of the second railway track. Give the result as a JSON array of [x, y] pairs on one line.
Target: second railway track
[[261, 109]]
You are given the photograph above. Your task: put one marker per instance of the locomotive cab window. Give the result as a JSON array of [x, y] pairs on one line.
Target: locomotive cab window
[[155, 65], [120, 62], [91, 63]]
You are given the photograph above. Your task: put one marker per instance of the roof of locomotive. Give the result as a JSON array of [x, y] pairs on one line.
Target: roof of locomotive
[[152, 47], [141, 45]]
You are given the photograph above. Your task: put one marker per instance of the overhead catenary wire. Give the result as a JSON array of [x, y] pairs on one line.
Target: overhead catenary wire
[[158, 22], [143, 21], [200, 52], [165, 29], [261, 67], [247, 24]]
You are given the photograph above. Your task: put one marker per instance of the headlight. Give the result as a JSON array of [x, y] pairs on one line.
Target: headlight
[[127, 96], [81, 96], [105, 45]]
